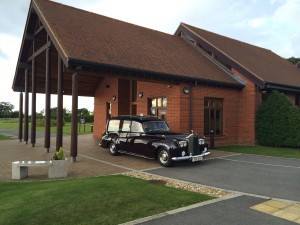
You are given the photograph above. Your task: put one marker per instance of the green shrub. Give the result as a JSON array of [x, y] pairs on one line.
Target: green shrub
[[278, 122], [59, 155], [41, 123]]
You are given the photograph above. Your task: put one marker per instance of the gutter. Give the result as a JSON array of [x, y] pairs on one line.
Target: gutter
[[79, 62], [270, 85]]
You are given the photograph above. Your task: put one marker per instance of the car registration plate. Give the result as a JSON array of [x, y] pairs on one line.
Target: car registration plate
[[197, 158]]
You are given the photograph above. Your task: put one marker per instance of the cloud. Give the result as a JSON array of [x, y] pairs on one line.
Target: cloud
[[13, 16], [3, 55]]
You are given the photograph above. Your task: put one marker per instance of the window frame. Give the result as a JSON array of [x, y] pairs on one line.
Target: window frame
[[157, 108], [211, 110]]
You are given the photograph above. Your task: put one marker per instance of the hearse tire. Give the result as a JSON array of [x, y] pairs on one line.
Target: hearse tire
[[164, 158], [113, 149]]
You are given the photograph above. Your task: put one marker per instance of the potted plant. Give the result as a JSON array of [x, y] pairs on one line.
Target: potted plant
[[59, 168]]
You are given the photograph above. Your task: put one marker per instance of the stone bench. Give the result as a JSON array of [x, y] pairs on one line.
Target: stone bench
[[56, 168]]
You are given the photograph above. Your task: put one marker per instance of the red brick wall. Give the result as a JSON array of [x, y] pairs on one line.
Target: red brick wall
[[249, 101], [106, 89], [152, 90], [238, 107], [178, 109]]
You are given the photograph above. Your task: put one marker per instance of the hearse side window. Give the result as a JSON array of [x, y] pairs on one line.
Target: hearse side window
[[126, 126], [113, 125], [136, 127]]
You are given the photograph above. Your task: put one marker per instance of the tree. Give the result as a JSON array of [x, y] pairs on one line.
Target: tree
[[293, 60], [278, 122], [6, 109], [85, 113]]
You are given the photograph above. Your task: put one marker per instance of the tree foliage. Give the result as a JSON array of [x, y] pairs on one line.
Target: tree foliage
[[6, 109], [278, 122], [294, 60]]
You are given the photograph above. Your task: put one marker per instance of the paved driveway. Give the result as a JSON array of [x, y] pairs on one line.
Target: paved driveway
[[228, 212], [259, 175]]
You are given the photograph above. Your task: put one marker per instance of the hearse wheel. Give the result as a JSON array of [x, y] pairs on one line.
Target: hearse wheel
[[113, 150], [164, 158]]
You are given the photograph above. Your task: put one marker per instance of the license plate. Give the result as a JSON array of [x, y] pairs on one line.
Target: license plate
[[198, 158]]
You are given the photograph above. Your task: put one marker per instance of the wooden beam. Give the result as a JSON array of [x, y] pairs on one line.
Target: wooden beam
[[33, 104], [74, 138], [20, 135], [29, 37], [23, 65], [38, 30], [48, 101], [59, 125], [38, 52], [26, 107]]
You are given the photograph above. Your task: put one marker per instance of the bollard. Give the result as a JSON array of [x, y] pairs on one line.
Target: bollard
[[212, 139], [92, 128]]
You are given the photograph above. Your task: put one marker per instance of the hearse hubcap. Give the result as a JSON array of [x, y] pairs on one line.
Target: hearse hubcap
[[164, 156], [112, 147]]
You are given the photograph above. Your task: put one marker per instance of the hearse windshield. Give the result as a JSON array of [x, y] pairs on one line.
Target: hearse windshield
[[156, 126]]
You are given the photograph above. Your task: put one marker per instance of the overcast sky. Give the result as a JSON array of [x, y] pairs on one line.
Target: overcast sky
[[272, 24]]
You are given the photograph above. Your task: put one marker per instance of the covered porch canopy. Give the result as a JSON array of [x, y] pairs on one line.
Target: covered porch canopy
[[67, 51]]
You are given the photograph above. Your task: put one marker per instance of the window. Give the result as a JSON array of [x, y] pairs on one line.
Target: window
[[213, 115], [113, 125], [158, 107], [126, 126], [136, 127], [155, 126]]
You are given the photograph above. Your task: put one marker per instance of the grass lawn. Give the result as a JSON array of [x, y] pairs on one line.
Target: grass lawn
[[4, 137], [13, 124], [99, 200], [264, 150]]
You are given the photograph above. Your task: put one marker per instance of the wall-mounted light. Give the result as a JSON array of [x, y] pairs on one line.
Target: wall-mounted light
[[186, 90], [141, 94], [114, 98]]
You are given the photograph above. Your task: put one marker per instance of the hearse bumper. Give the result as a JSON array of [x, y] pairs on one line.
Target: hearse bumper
[[193, 158]]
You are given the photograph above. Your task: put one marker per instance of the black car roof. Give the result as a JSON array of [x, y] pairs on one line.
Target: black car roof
[[137, 118]]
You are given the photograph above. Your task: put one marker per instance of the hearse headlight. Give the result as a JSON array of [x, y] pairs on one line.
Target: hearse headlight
[[182, 144], [201, 141]]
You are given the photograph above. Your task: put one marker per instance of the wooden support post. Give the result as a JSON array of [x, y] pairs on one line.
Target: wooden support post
[[74, 132], [33, 104], [26, 108], [60, 116], [48, 101], [20, 135]]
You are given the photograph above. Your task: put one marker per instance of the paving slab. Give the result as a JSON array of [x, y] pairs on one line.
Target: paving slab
[[286, 210], [92, 160]]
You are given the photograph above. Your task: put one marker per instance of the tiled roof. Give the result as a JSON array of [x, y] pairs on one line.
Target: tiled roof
[[262, 63], [93, 38]]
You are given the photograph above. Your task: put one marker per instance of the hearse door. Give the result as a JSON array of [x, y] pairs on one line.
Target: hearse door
[[136, 139], [124, 134]]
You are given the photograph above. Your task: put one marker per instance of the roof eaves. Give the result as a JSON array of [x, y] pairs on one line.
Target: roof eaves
[[79, 62], [271, 85], [22, 44], [55, 40], [232, 75], [255, 75]]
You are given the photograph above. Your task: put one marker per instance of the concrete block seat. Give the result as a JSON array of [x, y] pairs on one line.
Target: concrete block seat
[[56, 168]]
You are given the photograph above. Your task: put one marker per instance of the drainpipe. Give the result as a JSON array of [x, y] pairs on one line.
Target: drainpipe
[[191, 106]]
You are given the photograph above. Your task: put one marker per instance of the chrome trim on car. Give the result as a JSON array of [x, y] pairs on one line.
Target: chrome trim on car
[[190, 157]]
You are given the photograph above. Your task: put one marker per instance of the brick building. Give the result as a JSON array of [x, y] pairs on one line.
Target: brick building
[[193, 79]]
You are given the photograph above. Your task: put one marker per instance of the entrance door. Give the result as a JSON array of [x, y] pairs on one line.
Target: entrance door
[[108, 110]]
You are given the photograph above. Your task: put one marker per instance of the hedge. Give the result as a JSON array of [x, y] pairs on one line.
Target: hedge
[[278, 122]]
